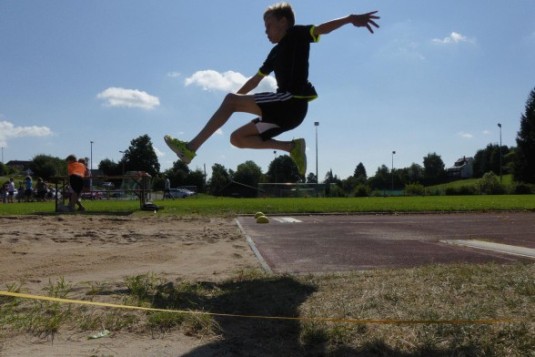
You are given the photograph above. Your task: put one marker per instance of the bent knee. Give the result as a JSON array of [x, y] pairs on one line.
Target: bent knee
[[230, 100], [237, 140]]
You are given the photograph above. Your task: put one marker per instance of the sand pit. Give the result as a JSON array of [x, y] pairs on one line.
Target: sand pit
[[98, 248]]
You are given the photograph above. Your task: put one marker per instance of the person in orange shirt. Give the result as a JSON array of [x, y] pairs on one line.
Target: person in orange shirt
[[87, 176], [76, 171]]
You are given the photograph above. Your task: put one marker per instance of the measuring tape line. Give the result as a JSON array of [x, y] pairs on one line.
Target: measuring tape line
[[283, 318]]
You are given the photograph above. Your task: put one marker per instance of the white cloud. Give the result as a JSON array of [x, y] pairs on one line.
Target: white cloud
[[268, 84], [158, 152], [130, 98], [174, 74], [409, 51], [486, 132], [464, 135], [219, 131], [9, 131], [229, 81], [402, 43], [453, 38]]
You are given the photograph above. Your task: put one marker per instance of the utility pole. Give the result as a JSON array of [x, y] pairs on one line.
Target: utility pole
[[500, 126], [392, 171], [316, 124]]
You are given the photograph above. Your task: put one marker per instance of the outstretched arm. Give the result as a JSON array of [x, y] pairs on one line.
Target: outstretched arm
[[251, 84], [362, 20]]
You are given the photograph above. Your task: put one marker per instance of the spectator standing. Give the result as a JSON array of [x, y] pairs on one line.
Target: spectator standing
[[41, 189], [10, 190], [87, 177], [28, 188], [167, 189], [76, 171], [20, 194]]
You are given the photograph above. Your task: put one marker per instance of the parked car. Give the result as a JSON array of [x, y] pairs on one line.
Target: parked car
[[181, 192], [117, 193], [91, 195]]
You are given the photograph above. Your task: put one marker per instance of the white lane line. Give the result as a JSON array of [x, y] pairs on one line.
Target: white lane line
[[287, 220], [495, 247], [255, 250]]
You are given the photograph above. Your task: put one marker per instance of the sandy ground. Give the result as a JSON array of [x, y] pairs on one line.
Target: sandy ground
[[93, 248]]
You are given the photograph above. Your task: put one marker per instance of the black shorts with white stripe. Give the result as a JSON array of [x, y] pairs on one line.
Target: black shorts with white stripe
[[280, 112]]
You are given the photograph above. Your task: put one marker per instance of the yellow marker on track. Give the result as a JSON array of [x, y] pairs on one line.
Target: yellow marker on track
[[262, 219]]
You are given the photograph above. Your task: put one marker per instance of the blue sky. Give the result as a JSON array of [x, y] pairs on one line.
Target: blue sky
[[436, 77]]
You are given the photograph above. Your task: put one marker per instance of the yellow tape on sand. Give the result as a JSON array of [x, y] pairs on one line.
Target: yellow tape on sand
[[316, 319]]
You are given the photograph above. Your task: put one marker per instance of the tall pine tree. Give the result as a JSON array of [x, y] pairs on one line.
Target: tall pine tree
[[141, 156], [524, 169]]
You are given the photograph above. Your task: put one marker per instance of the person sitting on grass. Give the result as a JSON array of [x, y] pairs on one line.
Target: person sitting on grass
[[281, 111]]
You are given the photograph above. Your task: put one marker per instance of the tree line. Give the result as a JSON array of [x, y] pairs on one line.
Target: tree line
[[141, 156]]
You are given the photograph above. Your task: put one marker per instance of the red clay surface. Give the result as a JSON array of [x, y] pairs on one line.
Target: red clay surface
[[336, 243]]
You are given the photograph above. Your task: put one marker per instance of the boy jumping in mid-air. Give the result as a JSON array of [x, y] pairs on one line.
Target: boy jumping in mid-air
[[281, 111]]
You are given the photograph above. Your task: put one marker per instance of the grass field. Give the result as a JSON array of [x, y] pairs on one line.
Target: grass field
[[507, 180], [324, 303], [206, 205]]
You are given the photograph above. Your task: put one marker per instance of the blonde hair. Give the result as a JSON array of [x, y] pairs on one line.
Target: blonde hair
[[280, 10]]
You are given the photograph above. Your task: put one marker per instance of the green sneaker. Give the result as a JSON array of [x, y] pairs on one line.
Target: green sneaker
[[180, 148], [299, 156]]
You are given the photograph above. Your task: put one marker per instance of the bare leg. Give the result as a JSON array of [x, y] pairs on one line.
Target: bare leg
[[72, 201], [247, 137], [80, 205], [232, 103]]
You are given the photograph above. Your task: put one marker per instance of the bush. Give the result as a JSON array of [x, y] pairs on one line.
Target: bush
[[523, 189], [4, 169], [335, 191], [461, 191], [434, 192], [490, 184], [378, 193], [414, 189], [361, 190]]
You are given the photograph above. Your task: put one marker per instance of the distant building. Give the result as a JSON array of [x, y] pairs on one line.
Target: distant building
[[19, 165], [463, 168]]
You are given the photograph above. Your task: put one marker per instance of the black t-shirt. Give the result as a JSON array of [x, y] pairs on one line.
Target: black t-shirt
[[289, 60]]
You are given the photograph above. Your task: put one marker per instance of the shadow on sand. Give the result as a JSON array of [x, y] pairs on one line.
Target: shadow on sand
[[274, 297]]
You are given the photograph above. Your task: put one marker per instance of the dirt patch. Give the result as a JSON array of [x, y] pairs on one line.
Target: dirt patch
[[84, 248]]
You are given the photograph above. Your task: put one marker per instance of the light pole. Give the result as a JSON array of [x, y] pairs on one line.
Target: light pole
[[123, 152], [316, 124], [392, 171], [91, 168], [275, 165], [500, 126]]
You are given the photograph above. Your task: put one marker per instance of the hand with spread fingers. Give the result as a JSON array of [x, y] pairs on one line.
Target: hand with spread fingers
[[365, 20]]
